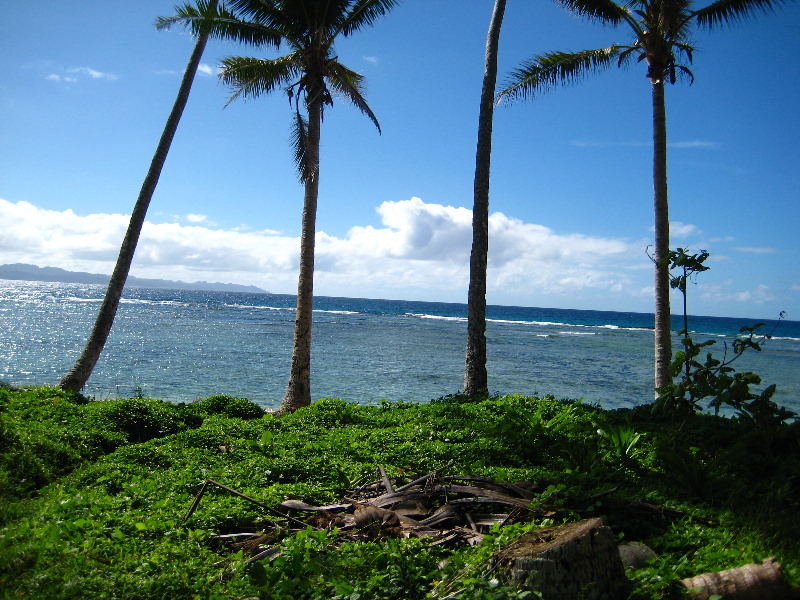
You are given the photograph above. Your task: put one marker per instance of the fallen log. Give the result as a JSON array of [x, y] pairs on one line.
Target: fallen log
[[578, 560], [754, 581]]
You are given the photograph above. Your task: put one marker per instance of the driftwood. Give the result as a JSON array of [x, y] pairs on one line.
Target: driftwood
[[755, 581], [578, 560]]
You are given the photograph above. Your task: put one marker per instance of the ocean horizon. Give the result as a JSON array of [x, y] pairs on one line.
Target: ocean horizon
[[179, 345]]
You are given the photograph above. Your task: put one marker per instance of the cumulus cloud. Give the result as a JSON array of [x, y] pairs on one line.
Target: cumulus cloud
[[204, 69], [418, 246]]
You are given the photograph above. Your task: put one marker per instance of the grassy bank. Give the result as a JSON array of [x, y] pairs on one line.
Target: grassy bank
[[92, 494]]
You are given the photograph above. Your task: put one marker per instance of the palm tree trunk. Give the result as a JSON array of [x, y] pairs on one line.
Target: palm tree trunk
[[476, 380], [663, 329], [298, 391], [77, 377]]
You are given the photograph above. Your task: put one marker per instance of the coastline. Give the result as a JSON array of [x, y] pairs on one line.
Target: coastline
[[182, 345]]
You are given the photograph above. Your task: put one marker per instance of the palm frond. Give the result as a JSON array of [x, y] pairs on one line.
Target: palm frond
[[546, 71], [350, 85], [365, 13], [606, 11], [273, 15], [300, 147], [220, 23], [252, 77], [681, 71], [727, 12], [686, 49], [191, 16]]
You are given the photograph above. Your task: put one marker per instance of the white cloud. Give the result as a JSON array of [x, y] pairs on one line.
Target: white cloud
[[762, 294], [373, 60], [94, 74], [59, 78], [603, 144], [682, 230], [419, 246], [205, 69], [193, 218], [756, 250], [693, 144]]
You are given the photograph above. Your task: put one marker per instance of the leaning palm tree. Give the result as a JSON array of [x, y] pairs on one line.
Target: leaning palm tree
[[311, 75], [662, 32], [476, 378], [77, 377]]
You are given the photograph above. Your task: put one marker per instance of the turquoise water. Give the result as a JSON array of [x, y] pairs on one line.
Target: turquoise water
[[180, 345]]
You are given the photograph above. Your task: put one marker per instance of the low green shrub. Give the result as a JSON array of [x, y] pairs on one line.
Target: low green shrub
[[139, 419], [89, 510], [239, 408]]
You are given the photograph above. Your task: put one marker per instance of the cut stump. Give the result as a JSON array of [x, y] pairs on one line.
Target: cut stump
[[578, 560], [755, 581]]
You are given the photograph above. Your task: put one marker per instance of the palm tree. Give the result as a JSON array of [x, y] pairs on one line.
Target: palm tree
[[311, 75], [662, 32], [476, 379], [77, 377]]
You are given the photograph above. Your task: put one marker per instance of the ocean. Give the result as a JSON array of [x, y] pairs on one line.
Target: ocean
[[180, 345]]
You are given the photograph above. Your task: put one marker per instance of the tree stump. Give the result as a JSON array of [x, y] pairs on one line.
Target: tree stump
[[578, 560], [756, 581]]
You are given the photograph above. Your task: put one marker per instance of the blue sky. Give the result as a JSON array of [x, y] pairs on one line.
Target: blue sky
[[85, 89]]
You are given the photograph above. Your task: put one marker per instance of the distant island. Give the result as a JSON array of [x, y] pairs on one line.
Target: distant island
[[24, 272]]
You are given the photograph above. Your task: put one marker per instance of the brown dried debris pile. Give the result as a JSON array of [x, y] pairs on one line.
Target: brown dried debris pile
[[452, 510]]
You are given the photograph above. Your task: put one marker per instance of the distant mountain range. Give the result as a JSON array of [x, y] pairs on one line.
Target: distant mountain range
[[25, 272]]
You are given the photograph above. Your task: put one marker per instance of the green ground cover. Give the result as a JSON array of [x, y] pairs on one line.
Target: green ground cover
[[92, 493]]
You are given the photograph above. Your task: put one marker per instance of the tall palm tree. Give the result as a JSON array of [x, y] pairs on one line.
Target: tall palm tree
[[311, 75], [662, 31], [77, 377], [476, 379]]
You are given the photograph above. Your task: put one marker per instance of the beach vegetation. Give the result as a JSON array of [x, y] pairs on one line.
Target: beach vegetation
[[95, 504], [661, 40], [714, 378]]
